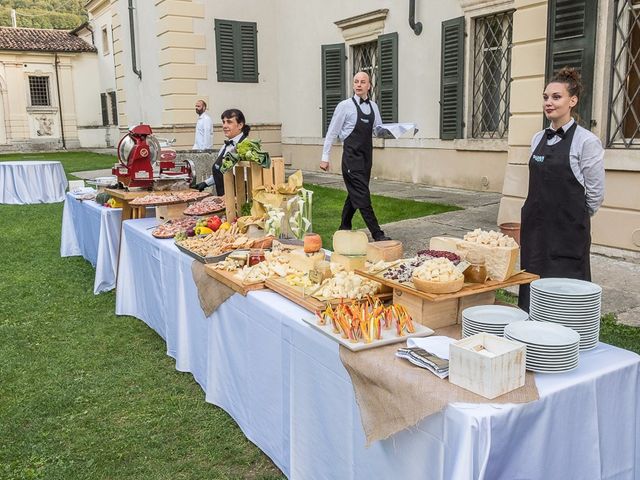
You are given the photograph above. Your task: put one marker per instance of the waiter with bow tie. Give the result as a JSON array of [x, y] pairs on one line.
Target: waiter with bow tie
[[235, 130], [566, 187], [354, 121]]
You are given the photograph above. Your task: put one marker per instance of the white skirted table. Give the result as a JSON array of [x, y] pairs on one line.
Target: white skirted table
[[93, 232], [37, 181], [285, 386]]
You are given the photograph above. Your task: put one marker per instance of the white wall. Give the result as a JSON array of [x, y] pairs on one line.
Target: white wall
[[258, 101], [143, 99], [418, 60]]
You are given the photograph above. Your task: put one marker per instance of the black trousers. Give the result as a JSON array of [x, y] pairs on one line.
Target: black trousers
[[368, 215]]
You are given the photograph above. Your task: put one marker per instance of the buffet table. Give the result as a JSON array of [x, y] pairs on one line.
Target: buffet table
[[93, 232], [287, 389], [24, 182]]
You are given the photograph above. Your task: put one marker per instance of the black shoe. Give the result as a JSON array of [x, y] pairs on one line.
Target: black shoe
[[381, 238]]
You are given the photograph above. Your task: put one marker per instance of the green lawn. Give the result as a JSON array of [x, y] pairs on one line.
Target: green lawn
[[85, 394], [71, 161]]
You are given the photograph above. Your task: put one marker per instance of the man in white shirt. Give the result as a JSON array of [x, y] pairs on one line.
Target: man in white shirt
[[354, 121], [204, 127]]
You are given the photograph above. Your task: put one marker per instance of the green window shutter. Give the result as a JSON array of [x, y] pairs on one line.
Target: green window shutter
[[452, 79], [248, 54], [333, 81], [105, 112], [114, 108], [236, 51], [571, 42], [388, 80]]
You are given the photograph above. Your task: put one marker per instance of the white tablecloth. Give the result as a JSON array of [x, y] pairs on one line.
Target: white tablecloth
[[93, 232], [285, 386], [32, 182]]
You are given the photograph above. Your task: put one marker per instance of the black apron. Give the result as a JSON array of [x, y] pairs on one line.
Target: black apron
[[555, 227], [357, 159], [218, 177]]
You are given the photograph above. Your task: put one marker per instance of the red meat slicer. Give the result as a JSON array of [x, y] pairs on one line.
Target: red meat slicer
[[143, 163]]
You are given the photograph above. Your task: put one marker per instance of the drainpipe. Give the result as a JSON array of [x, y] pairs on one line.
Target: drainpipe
[[64, 143], [132, 33], [416, 27]]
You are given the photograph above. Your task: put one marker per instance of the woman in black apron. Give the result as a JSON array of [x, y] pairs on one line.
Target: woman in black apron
[[566, 187], [235, 130]]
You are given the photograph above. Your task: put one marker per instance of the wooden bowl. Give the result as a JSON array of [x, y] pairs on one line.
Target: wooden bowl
[[428, 286]]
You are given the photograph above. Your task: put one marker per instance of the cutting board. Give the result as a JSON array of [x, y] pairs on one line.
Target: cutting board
[[232, 281], [467, 289], [295, 294]]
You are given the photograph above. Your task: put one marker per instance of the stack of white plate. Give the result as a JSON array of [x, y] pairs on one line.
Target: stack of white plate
[[490, 319], [551, 348], [573, 303]]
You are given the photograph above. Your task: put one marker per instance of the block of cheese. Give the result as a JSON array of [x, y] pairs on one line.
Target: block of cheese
[[448, 244], [387, 251], [500, 261], [350, 242], [304, 262], [349, 262]]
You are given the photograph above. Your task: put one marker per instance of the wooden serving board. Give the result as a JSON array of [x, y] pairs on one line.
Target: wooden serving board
[[295, 294], [467, 289], [232, 281]]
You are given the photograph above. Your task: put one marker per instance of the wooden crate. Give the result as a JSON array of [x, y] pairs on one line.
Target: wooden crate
[[487, 376], [243, 178], [439, 314], [169, 212]]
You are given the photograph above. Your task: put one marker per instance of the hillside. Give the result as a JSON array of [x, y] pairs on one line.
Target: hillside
[[61, 14]]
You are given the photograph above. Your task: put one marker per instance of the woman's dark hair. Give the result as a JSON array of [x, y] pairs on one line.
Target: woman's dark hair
[[572, 79], [239, 116]]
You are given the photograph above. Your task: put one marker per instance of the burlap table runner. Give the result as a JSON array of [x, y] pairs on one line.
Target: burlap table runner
[[393, 394], [211, 292]]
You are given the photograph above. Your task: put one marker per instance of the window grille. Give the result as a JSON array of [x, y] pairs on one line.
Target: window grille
[[365, 59], [624, 105], [39, 91], [492, 75]]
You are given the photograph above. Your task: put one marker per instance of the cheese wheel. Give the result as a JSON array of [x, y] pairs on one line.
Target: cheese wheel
[[303, 262], [349, 262], [387, 251], [312, 242], [447, 244], [349, 242], [500, 261]]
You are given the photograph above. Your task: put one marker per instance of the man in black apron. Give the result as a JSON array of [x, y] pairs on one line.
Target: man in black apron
[[556, 226], [357, 156]]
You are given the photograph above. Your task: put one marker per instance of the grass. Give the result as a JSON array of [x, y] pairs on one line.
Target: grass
[[86, 394], [71, 161], [328, 202]]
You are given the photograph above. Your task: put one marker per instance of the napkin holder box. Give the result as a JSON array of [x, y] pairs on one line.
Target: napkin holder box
[[488, 376]]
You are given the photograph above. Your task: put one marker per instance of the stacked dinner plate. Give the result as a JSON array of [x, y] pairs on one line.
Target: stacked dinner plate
[[551, 348], [573, 303], [490, 319]]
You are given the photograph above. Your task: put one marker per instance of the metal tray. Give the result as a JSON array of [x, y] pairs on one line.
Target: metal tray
[[202, 259]]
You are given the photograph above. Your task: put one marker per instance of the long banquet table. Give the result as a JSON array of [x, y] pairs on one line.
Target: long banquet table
[[33, 181], [93, 232], [285, 386]]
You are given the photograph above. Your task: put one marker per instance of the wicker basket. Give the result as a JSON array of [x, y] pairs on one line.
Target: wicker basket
[[428, 286]]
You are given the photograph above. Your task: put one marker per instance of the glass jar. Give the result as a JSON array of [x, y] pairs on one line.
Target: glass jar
[[256, 255], [476, 272]]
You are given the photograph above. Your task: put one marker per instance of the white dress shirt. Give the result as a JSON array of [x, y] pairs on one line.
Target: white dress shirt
[[204, 128], [344, 121], [586, 158], [223, 151]]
